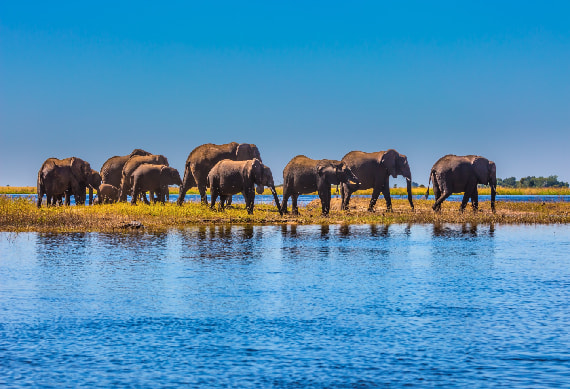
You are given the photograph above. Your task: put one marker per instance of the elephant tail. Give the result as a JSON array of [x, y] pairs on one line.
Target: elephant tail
[[429, 182]]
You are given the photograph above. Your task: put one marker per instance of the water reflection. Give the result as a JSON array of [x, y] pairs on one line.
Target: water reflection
[[465, 230]]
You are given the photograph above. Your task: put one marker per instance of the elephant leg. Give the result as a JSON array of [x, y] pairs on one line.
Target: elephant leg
[[214, 196], [249, 199], [202, 190], [134, 196], [441, 199], [475, 200], [375, 193], [144, 199], [285, 200], [324, 204], [386, 193], [345, 193], [294, 209], [465, 200]]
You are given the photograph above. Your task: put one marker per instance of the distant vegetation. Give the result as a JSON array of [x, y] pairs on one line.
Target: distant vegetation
[[532, 182]]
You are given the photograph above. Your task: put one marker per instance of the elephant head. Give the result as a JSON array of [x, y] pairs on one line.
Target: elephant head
[[246, 151], [170, 176], [397, 165], [336, 172], [94, 179], [268, 181], [486, 173], [82, 173], [253, 173]]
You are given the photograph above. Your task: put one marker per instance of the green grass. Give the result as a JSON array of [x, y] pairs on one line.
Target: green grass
[[23, 215]]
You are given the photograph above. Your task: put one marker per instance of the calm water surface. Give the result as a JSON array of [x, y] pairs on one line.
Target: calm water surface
[[287, 306]]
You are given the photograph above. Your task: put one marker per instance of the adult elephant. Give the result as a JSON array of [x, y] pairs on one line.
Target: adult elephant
[[229, 177], [153, 178], [131, 165], [81, 171], [305, 175], [112, 169], [56, 181], [456, 174], [203, 158], [373, 171]]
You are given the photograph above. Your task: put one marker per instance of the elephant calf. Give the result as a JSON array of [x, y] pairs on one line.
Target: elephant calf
[[229, 177], [107, 194], [456, 174], [153, 178], [305, 175]]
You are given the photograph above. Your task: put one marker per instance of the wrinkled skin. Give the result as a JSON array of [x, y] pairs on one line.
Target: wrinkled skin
[[203, 158], [153, 178], [373, 171], [229, 177], [304, 175], [112, 169], [131, 165], [81, 171], [456, 174], [107, 194], [55, 181]]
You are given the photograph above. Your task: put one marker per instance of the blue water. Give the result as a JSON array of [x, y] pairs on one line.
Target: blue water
[[287, 306], [306, 199]]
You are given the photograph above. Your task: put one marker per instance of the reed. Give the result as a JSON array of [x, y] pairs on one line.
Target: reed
[[23, 215]]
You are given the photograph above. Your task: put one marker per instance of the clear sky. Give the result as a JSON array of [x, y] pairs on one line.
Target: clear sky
[[97, 79]]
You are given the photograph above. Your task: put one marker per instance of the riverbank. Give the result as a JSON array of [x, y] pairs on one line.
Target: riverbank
[[22, 215]]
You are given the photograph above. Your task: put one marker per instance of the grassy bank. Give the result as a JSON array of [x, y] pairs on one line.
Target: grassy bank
[[22, 215], [393, 191]]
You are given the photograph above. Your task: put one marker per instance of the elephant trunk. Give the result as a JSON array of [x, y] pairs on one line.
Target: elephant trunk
[[409, 189], [277, 202]]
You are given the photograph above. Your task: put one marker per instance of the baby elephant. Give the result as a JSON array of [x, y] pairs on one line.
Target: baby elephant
[[229, 177], [154, 178], [107, 194]]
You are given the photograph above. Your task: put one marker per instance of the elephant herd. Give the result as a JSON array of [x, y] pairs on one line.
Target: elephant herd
[[233, 168]]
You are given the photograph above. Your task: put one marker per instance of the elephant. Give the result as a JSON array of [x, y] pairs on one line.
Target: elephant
[[153, 178], [81, 171], [455, 174], [229, 177], [107, 194], [131, 165], [112, 169], [374, 171], [203, 158], [304, 175], [56, 181]]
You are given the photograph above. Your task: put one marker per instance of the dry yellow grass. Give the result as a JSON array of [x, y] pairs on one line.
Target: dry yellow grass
[[22, 215]]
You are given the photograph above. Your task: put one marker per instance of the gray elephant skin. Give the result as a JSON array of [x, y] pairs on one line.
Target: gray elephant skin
[[373, 171], [456, 174], [112, 169], [78, 168], [305, 175], [153, 178], [107, 194], [229, 177], [203, 158], [131, 165]]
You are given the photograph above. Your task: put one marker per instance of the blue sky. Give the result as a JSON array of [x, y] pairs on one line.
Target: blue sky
[[321, 79]]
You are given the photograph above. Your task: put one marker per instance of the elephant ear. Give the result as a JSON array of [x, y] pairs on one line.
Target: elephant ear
[[388, 161], [244, 152], [481, 169]]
